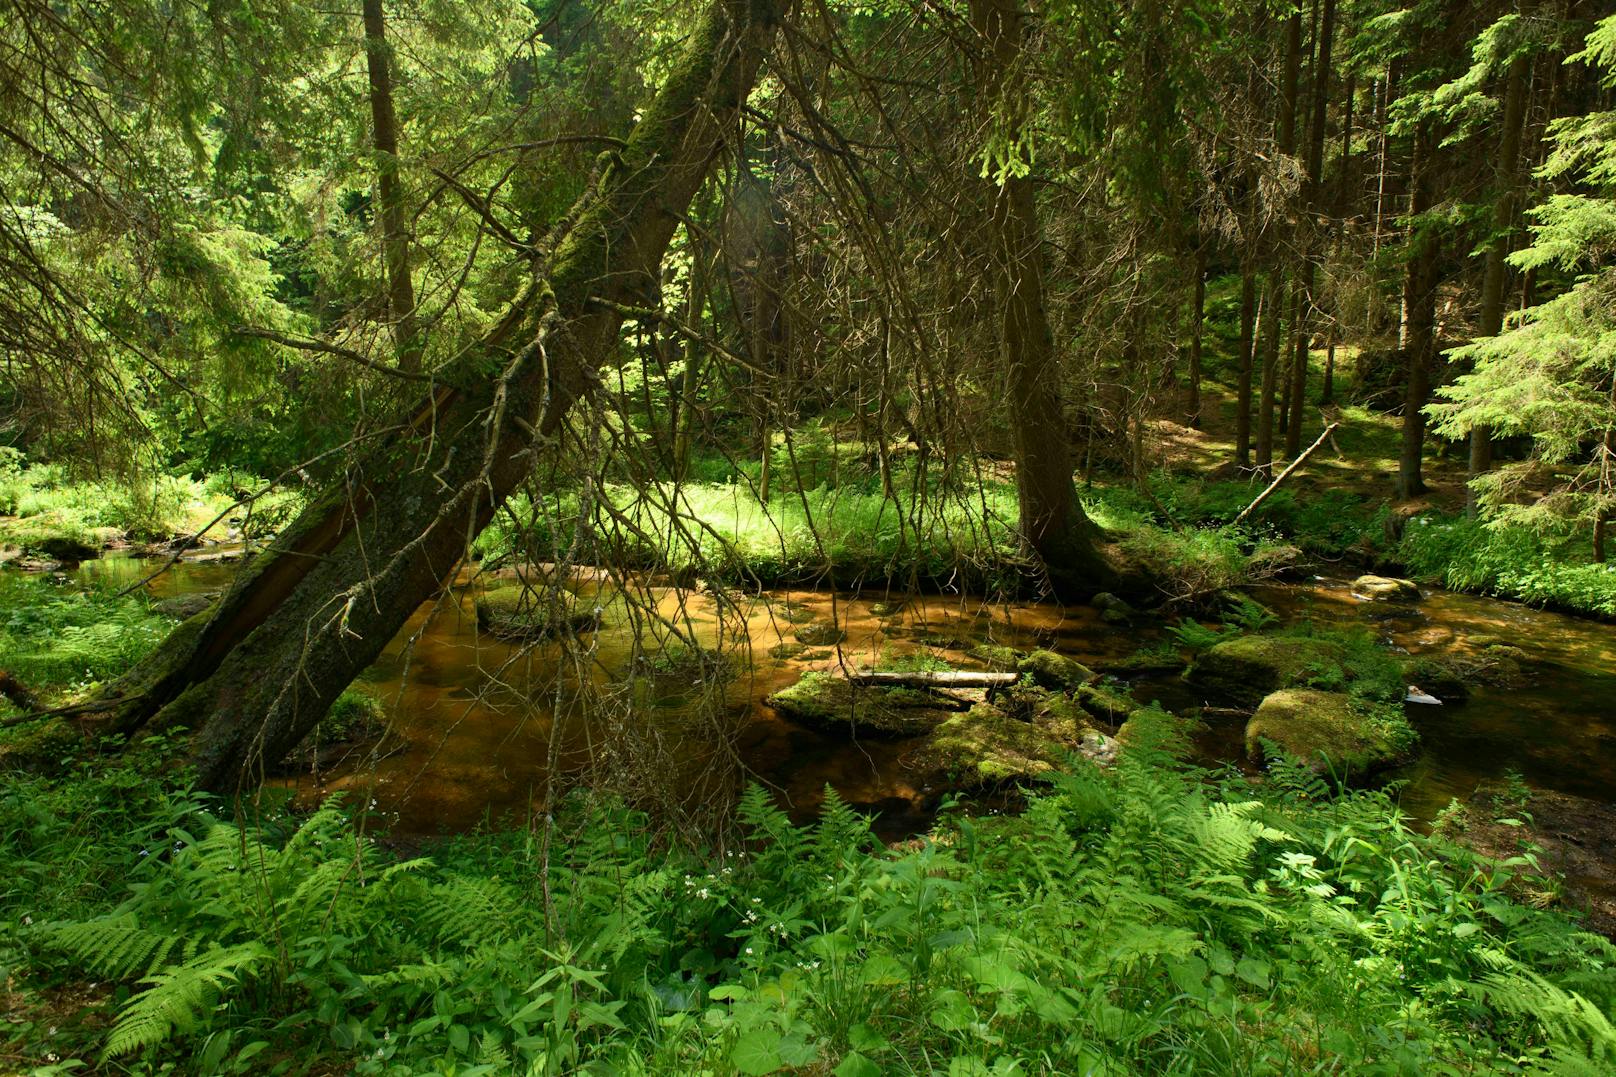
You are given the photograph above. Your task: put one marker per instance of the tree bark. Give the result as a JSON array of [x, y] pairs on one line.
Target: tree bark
[[1192, 406], [1285, 136], [1495, 276], [252, 676], [1315, 225], [1248, 345], [1053, 525], [1270, 331], [389, 193], [1419, 322]]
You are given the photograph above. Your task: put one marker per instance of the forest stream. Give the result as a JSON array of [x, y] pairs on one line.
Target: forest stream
[[470, 718]]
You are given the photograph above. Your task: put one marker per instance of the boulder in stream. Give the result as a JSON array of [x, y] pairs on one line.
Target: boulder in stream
[[833, 704], [1385, 589], [985, 747], [1107, 703], [522, 613], [1055, 672], [1331, 731], [820, 634], [1245, 669]]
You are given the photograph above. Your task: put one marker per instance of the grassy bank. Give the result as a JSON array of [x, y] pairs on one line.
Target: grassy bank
[[47, 506]]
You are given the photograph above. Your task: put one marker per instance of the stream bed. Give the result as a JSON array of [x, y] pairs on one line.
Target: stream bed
[[479, 728]]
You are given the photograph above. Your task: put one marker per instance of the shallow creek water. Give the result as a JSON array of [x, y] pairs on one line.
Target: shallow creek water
[[472, 719]]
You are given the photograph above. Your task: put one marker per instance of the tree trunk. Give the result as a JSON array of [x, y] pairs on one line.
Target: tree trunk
[[1270, 332], [1053, 524], [1285, 136], [1315, 226], [1192, 407], [395, 236], [1248, 345], [1494, 281], [253, 675], [1419, 322]]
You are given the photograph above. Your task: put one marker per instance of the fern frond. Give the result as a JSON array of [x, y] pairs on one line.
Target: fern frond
[[115, 945], [180, 997]]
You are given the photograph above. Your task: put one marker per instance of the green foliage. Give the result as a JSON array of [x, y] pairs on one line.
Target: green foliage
[[1128, 915], [1510, 561], [55, 636]]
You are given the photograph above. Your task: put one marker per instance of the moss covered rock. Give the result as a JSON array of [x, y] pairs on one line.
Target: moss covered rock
[[985, 747], [1245, 669], [1331, 731], [521, 613], [1055, 671], [820, 635], [1108, 703], [833, 704], [998, 659]]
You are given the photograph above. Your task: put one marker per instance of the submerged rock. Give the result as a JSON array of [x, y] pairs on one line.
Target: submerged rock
[[1385, 589], [833, 704], [1055, 671], [1247, 668], [1330, 731], [820, 635], [521, 613]]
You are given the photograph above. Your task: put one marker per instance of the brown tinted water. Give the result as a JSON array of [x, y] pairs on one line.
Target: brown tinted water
[[479, 728]]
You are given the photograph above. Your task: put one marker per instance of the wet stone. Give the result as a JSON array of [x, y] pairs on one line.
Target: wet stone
[[833, 704], [1385, 589], [820, 635], [1330, 731]]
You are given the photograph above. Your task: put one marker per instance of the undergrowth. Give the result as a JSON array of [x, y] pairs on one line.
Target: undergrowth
[[1147, 918], [1511, 562]]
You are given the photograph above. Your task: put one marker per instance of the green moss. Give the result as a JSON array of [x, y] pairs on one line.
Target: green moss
[[998, 659], [1247, 668], [1055, 671], [833, 704], [986, 747], [820, 635], [1331, 730], [517, 612], [1108, 703]]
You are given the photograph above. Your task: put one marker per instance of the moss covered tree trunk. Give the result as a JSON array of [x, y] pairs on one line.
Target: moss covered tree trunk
[[252, 676], [1053, 525]]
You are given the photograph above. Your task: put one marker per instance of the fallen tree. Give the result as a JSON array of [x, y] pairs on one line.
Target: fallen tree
[[253, 675]]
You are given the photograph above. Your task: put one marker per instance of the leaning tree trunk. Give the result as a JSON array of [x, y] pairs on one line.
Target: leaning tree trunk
[[1053, 524], [253, 675]]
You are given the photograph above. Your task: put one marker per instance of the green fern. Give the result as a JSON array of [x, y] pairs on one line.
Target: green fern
[[180, 998]]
